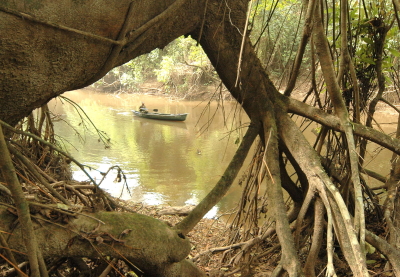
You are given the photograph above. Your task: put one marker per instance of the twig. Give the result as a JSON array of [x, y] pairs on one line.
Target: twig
[[40, 178], [264, 162], [12, 270], [81, 166], [108, 268], [11, 259]]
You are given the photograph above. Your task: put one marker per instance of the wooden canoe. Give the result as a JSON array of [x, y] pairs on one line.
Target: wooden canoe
[[161, 116]]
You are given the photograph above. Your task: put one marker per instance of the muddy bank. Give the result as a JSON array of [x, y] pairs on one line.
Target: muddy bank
[[198, 92]]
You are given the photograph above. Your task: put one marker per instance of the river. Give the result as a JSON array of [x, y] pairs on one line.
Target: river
[[171, 163]]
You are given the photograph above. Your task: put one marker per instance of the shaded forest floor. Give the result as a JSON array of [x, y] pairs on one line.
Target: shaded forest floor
[[211, 251]]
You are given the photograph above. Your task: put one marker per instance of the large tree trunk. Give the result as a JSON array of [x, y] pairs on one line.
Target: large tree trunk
[[221, 39], [49, 47], [249, 84]]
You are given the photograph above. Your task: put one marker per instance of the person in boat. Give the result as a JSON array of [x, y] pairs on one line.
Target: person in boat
[[143, 108]]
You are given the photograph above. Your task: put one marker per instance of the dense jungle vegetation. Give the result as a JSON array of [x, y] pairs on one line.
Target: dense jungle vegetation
[[330, 63]]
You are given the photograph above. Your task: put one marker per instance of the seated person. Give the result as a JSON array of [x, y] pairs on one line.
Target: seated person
[[143, 108]]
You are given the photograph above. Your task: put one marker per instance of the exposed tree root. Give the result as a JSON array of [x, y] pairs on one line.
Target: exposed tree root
[[333, 207]]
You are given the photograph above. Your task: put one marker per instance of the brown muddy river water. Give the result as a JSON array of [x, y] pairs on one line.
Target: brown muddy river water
[[172, 163]]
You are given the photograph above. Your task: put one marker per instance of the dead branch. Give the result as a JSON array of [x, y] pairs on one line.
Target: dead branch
[[390, 252], [39, 177], [52, 146], [8, 172]]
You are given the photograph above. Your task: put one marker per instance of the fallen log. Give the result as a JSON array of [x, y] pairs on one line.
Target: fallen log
[[149, 244]]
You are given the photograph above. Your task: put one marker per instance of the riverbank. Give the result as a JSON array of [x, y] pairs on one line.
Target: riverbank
[[196, 92], [153, 87]]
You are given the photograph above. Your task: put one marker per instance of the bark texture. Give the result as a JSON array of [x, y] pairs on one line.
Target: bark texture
[[49, 47]]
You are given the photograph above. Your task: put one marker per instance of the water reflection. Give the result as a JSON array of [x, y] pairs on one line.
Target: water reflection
[[172, 163]]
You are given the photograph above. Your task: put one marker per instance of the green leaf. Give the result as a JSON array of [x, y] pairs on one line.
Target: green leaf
[[62, 206], [367, 40], [369, 248], [367, 60], [394, 52]]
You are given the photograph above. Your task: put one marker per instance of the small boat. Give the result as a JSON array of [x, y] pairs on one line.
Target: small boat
[[160, 116]]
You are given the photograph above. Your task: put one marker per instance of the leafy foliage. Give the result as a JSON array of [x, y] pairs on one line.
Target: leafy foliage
[[275, 33], [180, 67]]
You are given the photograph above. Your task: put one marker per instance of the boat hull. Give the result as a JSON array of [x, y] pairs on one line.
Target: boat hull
[[161, 116]]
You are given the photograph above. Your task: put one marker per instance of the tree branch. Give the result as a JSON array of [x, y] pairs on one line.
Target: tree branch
[[220, 189], [37, 175], [333, 122], [390, 252], [302, 47]]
